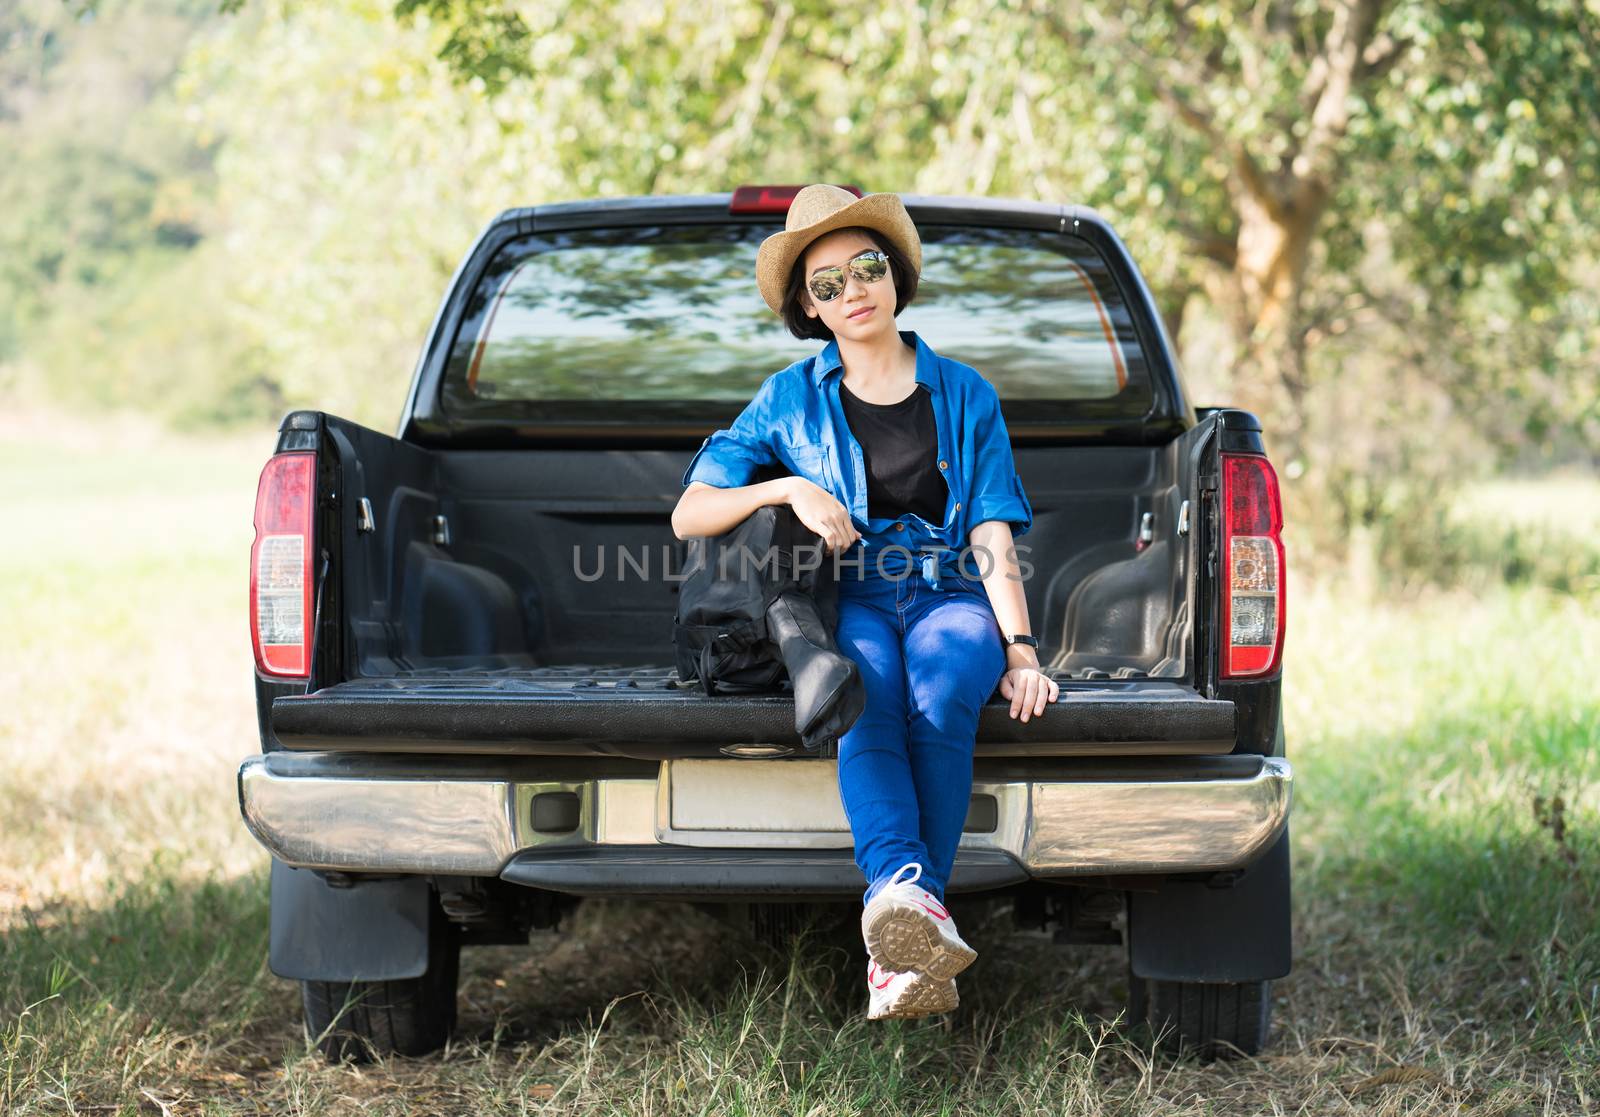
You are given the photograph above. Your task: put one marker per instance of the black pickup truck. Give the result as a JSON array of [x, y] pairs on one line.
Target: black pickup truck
[[468, 710]]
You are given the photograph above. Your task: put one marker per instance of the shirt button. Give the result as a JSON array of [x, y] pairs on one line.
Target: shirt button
[[944, 465], [958, 506], [899, 527]]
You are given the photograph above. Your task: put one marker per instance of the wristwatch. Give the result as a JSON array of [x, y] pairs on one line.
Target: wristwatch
[[1031, 641]]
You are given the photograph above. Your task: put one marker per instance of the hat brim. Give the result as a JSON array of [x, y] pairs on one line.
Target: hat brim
[[882, 213]]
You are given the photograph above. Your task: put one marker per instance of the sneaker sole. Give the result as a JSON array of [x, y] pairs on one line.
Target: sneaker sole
[[902, 936], [920, 998]]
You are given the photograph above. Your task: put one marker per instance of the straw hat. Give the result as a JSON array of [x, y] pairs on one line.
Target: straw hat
[[820, 209]]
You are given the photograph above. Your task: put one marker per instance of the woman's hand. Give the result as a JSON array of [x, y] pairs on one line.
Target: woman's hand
[[817, 508], [1028, 688]]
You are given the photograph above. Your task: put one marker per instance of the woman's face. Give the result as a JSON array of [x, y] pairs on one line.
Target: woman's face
[[865, 310]]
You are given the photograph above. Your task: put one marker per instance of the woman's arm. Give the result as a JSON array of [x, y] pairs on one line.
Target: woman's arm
[[719, 485], [708, 510], [1024, 683]]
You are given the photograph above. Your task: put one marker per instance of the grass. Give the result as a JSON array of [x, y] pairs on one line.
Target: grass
[[1446, 844]]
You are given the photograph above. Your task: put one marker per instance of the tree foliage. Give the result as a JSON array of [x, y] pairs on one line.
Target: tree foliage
[[1250, 150], [1362, 217]]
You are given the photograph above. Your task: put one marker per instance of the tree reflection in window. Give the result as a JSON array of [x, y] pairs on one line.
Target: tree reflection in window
[[671, 313]]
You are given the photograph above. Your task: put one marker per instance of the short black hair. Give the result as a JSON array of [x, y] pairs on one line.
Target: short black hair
[[803, 326]]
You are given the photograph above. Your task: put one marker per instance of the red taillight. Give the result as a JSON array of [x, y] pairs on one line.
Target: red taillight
[[1253, 592], [770, 199], [280, 566]]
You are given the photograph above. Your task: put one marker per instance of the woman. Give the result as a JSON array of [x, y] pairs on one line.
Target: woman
[[901, 463]]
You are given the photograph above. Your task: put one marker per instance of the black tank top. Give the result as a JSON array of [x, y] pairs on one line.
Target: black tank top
[[901, 445]]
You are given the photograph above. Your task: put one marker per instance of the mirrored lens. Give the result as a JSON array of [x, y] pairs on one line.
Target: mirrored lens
[[827, 285], [869, 267]]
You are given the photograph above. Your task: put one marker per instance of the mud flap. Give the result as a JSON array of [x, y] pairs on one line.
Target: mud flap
[[1196, 931], [373, 930]]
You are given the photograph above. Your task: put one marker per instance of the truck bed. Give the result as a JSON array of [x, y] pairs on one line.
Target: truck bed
[[468, 613], [513, 561]]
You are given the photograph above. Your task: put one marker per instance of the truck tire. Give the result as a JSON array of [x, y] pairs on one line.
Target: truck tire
[[358, 1021], [1209, 1020]]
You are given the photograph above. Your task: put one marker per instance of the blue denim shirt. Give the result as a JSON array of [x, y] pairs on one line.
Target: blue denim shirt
[[796, 419]]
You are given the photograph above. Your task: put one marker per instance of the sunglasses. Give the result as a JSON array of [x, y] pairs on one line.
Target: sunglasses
[[828, 284]]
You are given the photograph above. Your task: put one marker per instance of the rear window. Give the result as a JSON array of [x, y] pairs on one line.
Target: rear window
[[665, 322]]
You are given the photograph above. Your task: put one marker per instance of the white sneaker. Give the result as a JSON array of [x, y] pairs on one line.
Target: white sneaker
[[907, 929], [906, 995]]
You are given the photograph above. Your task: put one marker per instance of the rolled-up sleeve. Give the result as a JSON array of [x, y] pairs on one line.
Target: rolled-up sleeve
[[996, 492], [731, 456]]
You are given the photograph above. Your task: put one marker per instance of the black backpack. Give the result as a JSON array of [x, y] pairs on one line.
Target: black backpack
[[757, 608]]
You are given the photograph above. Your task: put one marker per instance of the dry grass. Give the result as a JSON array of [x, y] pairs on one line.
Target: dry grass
[[125, 695], [1448, 925]]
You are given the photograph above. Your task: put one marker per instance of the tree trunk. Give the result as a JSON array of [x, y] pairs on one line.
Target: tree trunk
[[1279, 212], [1269, 274]]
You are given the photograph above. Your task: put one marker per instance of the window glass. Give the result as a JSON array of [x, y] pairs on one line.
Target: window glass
[[666, 320]]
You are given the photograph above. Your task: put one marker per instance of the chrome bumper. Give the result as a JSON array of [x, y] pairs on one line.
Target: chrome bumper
[[358, 817]]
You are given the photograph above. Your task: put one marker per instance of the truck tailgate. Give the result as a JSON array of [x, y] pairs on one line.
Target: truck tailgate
[[643, 712]]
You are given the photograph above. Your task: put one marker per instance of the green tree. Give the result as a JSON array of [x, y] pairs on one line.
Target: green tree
[[1372, 221], [1317, 119], [102, 207], [1363, 218]]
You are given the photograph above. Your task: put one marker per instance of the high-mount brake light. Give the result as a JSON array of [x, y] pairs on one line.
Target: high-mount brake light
[[1253, 590], [770, 199], [280, 566]]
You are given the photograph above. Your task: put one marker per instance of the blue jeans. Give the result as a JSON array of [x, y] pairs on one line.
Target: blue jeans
[[930, 659]]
